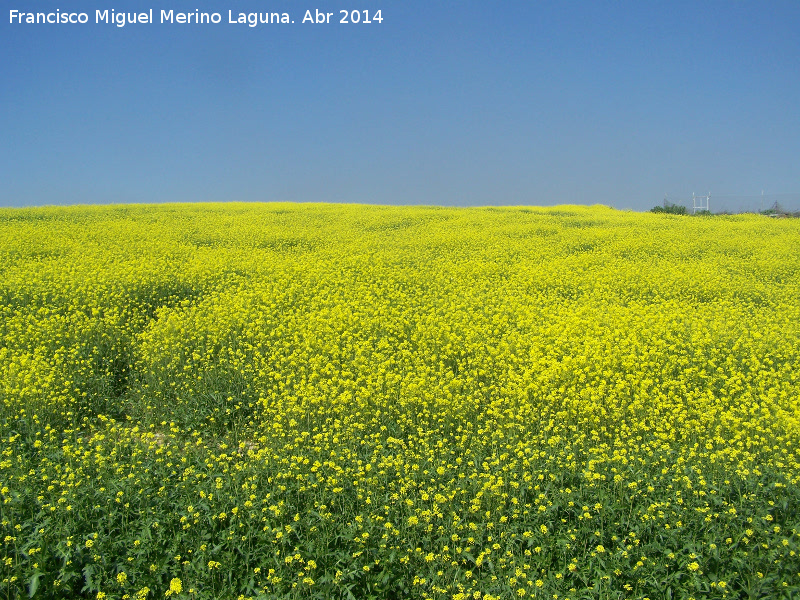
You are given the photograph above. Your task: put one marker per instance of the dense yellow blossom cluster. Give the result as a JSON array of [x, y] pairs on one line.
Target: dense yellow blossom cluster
[[320, 401]]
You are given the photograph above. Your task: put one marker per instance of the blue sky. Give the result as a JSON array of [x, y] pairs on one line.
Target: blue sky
[[449, 102]]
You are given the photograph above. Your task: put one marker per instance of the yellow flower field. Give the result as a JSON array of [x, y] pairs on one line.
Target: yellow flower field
[[341, 401]]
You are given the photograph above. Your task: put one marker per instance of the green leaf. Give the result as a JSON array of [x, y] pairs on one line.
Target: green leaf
[[33, 584]]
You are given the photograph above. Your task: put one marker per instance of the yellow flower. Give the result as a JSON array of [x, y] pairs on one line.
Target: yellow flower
[[175, 586], [142, 593]]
